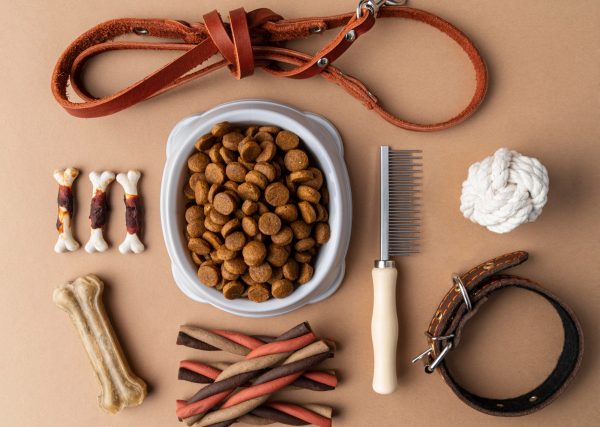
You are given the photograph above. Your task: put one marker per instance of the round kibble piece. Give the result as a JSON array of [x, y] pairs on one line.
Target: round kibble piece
[[249, 207], [214, 258], [217, 217], [197, 259], [205, 142], [249, 150], [215, 153], [295, 160], [317, 181], [194, 214], [269, 129], [199, 246], [282, 288], [308, 213], [249, 191], [198, 162], [276, 275], [302, 257], [263, 136], [257, 178], [262, 208], [236, 172], [254, 253], [277, 255], [195, 177], [309, 194], [260, 273], [201, 192], [249, 226], [188, 192], [224, 203], [235, 265], [304, 244], [322, 214], [212, 238], [220, 129], [325, 196], [269, 223], [322, 233], [306, 273], [208, 273], [247, 279], [287, 140], [258, 292], [233, 289], [215, 173], [290, 269], [195, 229], [232, 140], [288, 213], [225, 254], [235, 241], [226, 275], [301, 229], [277, 194], [251, 130], [227, 155], [284, 237], [230, 226], [267, 169], [269, 149], [299, 177], [211, 226]]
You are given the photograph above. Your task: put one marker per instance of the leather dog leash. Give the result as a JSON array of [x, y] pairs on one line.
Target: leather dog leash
[[471, 290], [249, 40]]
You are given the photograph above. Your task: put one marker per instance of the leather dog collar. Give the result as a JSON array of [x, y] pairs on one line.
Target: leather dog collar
[[460, 304], [249, 40]]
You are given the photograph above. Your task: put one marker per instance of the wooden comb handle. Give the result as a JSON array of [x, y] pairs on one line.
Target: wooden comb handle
[[384, 329]]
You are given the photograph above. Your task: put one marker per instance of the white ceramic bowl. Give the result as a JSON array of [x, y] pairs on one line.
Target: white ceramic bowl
[[322, 139]]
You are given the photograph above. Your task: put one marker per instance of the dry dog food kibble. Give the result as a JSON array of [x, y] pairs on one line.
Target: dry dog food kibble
[[256, 211]]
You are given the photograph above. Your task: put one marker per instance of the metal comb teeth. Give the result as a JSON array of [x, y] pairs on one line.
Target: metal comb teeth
[[401, 176]]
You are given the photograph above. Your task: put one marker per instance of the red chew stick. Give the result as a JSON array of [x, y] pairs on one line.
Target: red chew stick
[[269, 387], [200, 368], [282, 346]]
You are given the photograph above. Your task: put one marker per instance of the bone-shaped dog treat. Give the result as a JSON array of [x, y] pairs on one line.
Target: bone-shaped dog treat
[[132, 242], [66, 241], [82, 300], [98, 210]]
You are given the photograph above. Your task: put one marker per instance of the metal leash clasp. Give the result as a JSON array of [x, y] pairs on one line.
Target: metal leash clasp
[[373, 6]]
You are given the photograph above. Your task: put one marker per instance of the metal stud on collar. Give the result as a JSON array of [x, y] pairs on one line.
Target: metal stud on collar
[[323, 62]]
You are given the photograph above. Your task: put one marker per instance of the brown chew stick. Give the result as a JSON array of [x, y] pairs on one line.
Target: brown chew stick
[[66, 241], [119, 386]]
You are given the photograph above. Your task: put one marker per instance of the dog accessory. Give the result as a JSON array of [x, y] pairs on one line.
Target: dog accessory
[[66, 207], [98, 210], [504, 191], [133, 221], [461, 303], [253, 39], [399, 227]]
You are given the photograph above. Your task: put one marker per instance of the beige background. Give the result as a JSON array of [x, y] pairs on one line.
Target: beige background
[[543, 101]]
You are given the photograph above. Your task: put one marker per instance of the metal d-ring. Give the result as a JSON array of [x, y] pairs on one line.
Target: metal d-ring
[[374, 5], [460, 286]]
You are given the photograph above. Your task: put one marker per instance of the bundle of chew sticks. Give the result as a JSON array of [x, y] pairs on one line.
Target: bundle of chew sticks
[[242, 391]]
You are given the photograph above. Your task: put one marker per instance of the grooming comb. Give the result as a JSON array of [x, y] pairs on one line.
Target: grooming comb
[[399, 236]]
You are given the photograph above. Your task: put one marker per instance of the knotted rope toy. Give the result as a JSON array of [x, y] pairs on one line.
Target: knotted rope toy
[[504, 191]]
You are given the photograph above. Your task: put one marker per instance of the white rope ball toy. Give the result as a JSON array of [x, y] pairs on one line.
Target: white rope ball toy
[[504, 191]]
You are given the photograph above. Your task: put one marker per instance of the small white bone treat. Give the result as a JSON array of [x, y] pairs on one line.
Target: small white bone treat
[[119, 386], [66, 241], [99, 210], [133, 221]]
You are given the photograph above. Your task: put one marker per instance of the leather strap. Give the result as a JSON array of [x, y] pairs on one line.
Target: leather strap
[[253, 39], [452, 316]]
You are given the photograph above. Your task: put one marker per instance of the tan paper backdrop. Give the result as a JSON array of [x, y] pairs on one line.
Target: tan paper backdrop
[[543, 101]]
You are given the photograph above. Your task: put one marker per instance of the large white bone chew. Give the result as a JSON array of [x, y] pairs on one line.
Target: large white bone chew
[[66, 241], [132, 242], [100, 183], [119, 386]]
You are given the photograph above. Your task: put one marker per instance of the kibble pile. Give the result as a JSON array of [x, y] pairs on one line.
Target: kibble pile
[[257, 211]]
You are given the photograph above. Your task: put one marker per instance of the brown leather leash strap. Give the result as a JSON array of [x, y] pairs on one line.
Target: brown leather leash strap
[[249, 40], [470, 291]]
